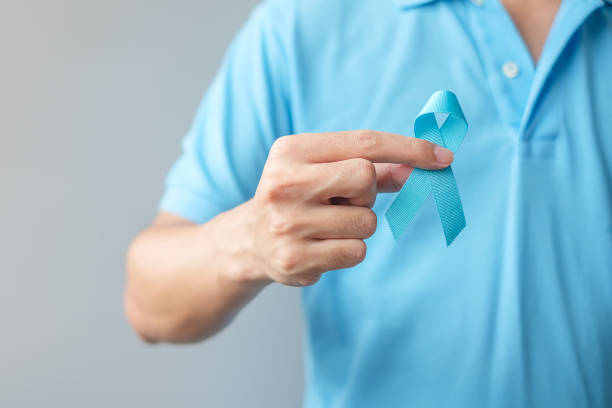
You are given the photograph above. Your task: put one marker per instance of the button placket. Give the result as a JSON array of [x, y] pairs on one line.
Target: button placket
[[510, 69], [506, 60]]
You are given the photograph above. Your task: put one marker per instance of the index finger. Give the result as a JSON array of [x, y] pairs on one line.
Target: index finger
[[373, 145]]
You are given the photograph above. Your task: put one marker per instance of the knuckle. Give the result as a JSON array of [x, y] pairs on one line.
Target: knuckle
[[309, 279], [370, 223], [276, 187], [358, 253], [395, 183], [287, 261], [280, 224], [272, 190], [411, 142], [421, 148], [282, 145], [367, 139], [351, 254], [414, 143], [366, 171]]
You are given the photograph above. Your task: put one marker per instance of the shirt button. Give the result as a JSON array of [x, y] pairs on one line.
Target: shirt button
[[510, 69]]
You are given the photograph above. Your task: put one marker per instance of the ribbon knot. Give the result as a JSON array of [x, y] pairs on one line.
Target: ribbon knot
[[442, 182]]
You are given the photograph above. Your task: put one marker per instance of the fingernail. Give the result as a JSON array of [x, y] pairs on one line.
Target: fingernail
[[443, 156]]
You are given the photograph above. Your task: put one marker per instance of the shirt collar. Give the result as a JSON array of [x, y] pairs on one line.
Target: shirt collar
[[416, 3], [411, 3]]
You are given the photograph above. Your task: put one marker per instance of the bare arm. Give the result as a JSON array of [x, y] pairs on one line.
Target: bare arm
[[310, 214], [186, 281]]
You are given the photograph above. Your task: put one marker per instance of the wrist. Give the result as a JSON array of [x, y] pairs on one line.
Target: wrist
[[234, 247]]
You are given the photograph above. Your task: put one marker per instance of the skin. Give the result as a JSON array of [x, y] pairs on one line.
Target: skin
[[533, 20], [310, 214]]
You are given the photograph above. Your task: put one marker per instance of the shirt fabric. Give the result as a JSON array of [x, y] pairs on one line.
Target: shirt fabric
[[517, 312]]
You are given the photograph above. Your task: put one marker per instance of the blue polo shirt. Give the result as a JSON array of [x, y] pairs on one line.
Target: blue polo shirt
[[517, 312]]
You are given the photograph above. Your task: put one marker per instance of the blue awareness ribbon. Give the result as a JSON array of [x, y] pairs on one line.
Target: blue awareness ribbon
[[442, 182]]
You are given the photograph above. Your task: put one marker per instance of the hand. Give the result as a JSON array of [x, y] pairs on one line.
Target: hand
[[312, 208]]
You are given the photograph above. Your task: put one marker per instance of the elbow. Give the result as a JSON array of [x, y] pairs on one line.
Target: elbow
[[139, 324], [156, 311], [155, 326], [168, 328], [154, 322], [133, 312]]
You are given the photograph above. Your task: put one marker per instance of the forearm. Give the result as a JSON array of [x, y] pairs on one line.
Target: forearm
[[186, 281]]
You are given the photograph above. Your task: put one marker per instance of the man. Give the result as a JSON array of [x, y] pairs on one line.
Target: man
[[274, 186]]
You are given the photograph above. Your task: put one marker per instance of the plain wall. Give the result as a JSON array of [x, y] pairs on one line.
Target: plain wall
[[94, 99]]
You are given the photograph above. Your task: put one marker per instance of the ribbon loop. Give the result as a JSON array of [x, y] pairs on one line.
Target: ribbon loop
[[441, 182]]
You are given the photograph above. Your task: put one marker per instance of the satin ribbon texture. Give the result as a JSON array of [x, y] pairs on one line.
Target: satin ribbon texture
[[441, 182]]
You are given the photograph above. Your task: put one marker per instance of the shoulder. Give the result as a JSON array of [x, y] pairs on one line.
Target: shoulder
[[310, 25], [304, 14]]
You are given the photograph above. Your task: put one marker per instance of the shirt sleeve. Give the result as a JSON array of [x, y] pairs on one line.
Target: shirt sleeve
[[243, 111]]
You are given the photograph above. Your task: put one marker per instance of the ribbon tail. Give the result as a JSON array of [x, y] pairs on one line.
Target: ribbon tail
[[408, 201], [448, 202]]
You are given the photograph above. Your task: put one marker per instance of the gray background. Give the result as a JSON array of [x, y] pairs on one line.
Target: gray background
[[94, 98]]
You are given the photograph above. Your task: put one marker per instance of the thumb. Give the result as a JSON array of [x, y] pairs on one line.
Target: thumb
[[390, 177]]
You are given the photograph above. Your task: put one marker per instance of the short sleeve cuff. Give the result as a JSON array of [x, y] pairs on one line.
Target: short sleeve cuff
[[194, 207]]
